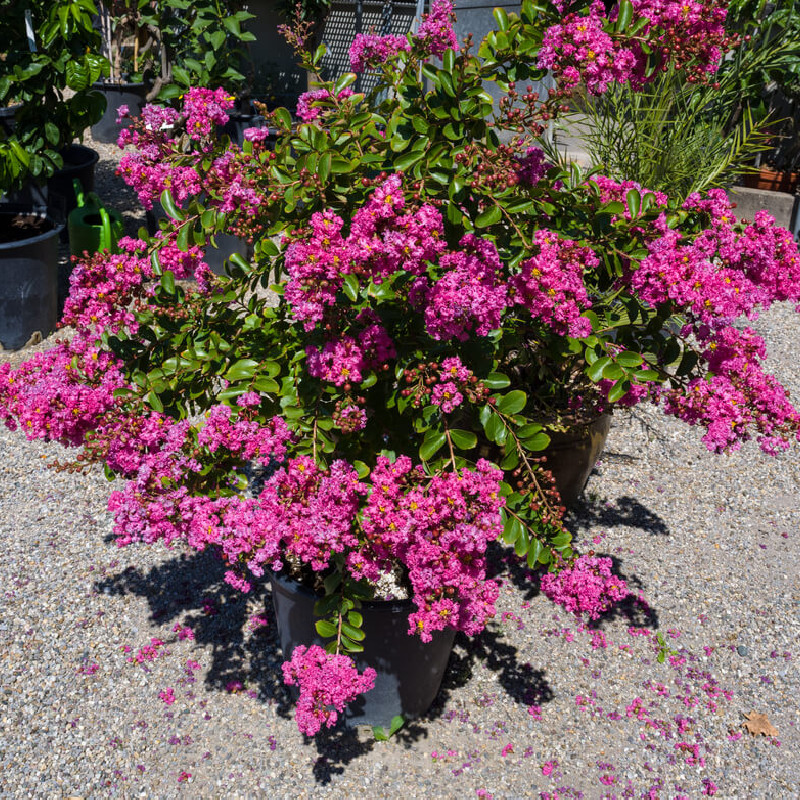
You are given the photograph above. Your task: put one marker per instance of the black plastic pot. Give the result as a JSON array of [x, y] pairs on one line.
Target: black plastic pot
[[571, 456], [28, 275], [8, 118], [409, 672], [227, 245], [117, 94], [79, 163]]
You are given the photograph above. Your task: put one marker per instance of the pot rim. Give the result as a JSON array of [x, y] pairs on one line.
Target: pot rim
[[11, 209], [293, 585]]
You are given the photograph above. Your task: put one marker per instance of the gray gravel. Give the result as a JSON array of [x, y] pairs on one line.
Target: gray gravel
[[711, 543]]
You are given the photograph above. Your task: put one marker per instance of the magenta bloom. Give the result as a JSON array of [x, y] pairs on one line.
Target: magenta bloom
[[587, 587], [327, 683], [369, 50]]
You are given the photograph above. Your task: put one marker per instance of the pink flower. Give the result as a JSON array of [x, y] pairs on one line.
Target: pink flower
[[368, 50], [588, 586], [167, 695], [327, 683], [435, 34]]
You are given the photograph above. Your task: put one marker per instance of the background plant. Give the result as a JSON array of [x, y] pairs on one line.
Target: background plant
[[681, 136], [63, 56], [203, 44]]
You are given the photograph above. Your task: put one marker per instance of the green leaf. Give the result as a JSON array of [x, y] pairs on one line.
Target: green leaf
[[463, 440], [325, 629], [431, 444], [646, 375], [496, 380], [501, 18], [629, 359], [491, 216], [168, 202], [625, 15], [350, 287], [595, 371], [397, 722], [243, 369], [536, 443], [355, 618], [495, 429], [612, 371], [353, 633], [324, 166], [618, 390], [266, 385], [634, 202], [361, 469], [513, 402], [154, 401], [534, 550], [406, 160], [168, 282], [512, 530], [182, 240]]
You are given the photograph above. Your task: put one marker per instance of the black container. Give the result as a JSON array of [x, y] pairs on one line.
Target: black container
[[227, 245], [409, 671], [8, 118], [79, 162], [118, 94], [571, 456], [28, 276]]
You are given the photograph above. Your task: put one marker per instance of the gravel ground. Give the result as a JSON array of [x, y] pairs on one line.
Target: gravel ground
[[535, 705]]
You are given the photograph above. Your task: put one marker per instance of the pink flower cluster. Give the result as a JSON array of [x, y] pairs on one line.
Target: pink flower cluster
[[438, 527], [369, 50], [587, 587], [382, 241], [585, 47], [160, 160], [311, 105], [737, 398], [346, 360], [550, 285], [615, 191], [162, 457], [453, 378], [204, 108], [470, 295], [327, 683], [435, 34], [579, 49], [532, 167]]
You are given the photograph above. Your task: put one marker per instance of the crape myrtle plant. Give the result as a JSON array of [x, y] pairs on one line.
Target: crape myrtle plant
[[439, 299]]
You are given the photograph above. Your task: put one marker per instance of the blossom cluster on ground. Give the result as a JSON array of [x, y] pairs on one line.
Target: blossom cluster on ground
[[443, 301]]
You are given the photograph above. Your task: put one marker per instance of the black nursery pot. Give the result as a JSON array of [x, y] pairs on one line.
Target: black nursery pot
[[28, 273], [132, 95], [409, 671], [79, 162], [571, 456]]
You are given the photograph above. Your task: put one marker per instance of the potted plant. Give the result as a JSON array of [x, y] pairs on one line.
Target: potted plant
[[204, 44], [130, 43], [776, 91], [441, 299], [47, 72]]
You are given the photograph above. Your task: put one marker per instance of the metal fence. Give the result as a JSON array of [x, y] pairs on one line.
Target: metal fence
[[346, 19]]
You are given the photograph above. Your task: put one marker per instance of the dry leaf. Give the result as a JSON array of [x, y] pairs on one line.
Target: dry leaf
[[758, 723]]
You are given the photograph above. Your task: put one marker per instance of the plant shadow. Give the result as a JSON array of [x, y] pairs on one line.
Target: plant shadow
[[190, 590]]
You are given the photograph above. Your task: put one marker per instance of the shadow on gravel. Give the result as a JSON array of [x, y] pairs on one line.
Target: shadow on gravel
[[190, 590], [625, 512]]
